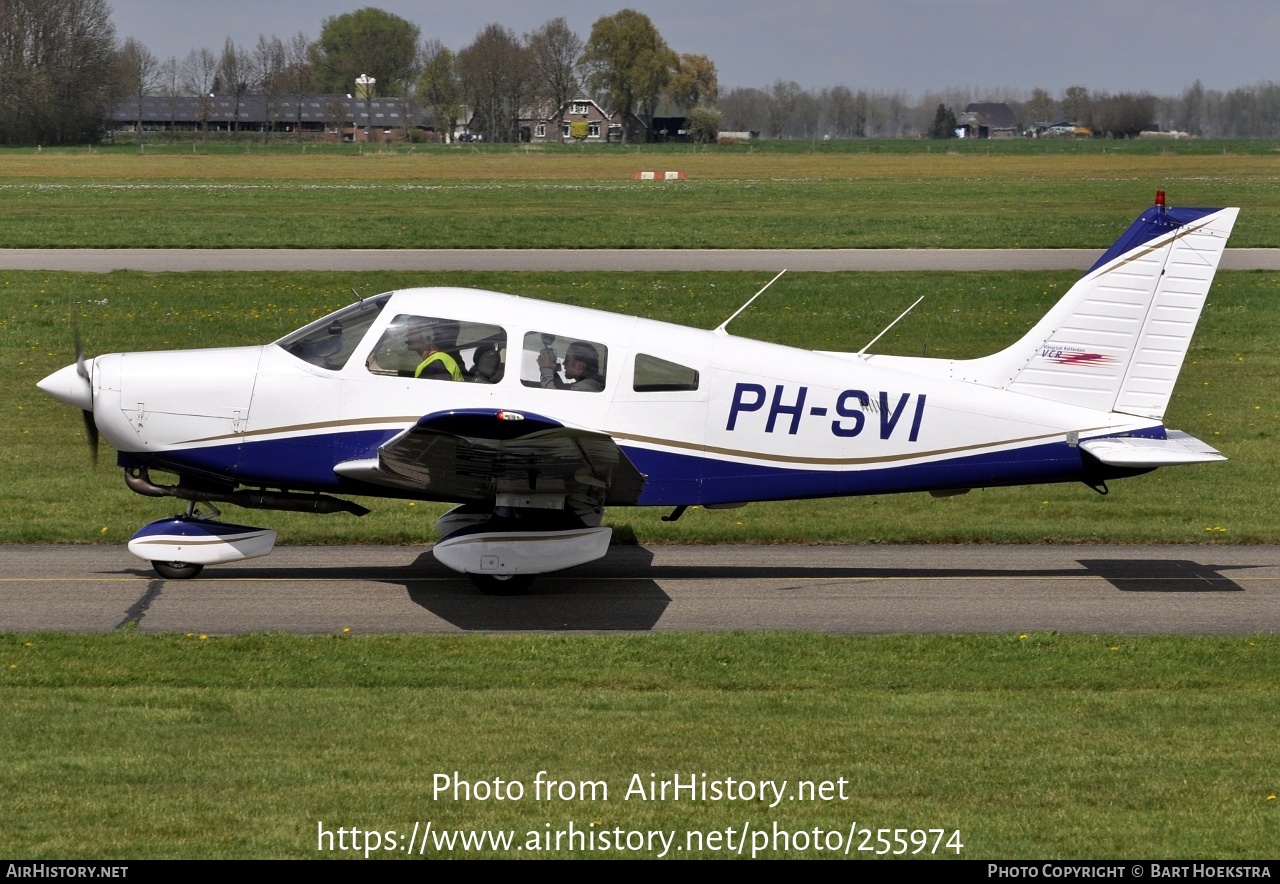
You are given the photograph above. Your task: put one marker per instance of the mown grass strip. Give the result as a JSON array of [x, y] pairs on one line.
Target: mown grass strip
[[1039, 745], [875, 195]]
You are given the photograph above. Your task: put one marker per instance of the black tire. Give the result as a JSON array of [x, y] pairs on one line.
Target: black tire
[[502, 584], [177, 570]]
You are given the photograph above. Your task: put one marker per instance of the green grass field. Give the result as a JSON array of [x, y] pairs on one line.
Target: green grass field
[[130, 746], [1033, 746], [779, 195]]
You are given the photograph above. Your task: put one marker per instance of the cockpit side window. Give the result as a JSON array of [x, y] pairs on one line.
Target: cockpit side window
[[558, 362], [442, 349], [329, 342]]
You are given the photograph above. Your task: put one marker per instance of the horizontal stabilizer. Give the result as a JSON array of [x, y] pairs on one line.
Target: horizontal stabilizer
[[1139, 453]]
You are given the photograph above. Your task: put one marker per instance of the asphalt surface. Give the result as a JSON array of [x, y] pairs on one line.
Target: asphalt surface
[[1204, 590], [579, 260]]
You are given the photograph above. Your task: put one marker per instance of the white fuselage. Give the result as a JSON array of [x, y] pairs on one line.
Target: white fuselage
[[745, 420]]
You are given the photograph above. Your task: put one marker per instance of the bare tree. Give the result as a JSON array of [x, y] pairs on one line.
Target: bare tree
[[806, 121], [497, 74], [886, 114], [298, 75], [1190, 109], [556, 53], [235, 75], [440, 87], [199, 74], [170, 84], [267, 66], [139, 75], [845, 112], [1125, 115], [744, 109], [58, 75], [782, 106]]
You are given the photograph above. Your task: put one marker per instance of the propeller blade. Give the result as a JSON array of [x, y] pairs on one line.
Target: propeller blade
[[81, 369], [91, 433], [90, 428]]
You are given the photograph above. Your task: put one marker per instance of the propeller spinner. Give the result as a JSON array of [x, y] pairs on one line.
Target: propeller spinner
[[74, 386]]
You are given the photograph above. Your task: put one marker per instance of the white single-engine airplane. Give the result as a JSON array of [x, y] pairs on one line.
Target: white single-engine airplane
[[536, 416]]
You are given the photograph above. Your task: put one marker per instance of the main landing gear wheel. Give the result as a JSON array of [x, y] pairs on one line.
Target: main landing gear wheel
[[502, 584], [177, 570]]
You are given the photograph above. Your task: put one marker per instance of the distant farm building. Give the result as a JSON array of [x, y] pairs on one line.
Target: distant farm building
[[988, 119], [545, 125], [317, 117], [602, 126]]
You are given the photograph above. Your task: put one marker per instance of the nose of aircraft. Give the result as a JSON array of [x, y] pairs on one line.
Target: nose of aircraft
[[69, 385]]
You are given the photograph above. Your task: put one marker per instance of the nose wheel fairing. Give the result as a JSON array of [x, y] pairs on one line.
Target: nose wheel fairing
[[176, 545]]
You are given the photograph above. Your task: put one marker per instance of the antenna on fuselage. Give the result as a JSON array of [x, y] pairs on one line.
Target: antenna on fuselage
[[889, 326], [721, 328], [359, 297]]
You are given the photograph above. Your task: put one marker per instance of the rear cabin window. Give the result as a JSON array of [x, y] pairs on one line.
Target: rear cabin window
[[654, 375], [440, 349], [560, 362]]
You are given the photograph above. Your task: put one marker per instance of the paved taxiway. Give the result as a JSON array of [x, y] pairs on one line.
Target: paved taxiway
[[1206, 590], [579, 260]]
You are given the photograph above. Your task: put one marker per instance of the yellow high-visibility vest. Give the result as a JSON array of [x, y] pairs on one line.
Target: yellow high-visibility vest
[[450, 364]]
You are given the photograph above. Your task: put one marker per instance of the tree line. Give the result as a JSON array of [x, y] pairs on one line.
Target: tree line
[[786, 110], [63, 72], [624, 64]]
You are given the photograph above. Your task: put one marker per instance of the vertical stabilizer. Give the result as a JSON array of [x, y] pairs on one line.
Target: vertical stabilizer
[[1116, 341]]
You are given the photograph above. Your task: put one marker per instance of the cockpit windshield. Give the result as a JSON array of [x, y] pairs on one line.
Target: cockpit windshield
[[328, 342]]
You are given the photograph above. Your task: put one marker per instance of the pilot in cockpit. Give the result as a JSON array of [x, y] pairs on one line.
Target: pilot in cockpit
[[432, 343]]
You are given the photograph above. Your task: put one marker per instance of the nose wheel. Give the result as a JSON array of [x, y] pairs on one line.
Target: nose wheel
[[177, 570]]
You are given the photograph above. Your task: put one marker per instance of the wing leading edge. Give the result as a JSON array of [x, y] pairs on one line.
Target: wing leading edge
[[474, 455]]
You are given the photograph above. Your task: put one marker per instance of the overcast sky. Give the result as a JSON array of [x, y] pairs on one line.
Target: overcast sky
[[910, 45]]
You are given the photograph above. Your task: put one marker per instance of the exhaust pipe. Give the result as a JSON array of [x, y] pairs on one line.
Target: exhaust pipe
[[139, 481]]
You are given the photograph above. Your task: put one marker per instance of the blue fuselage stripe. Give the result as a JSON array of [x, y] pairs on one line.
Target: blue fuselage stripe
[[675, 479], [305, 463]]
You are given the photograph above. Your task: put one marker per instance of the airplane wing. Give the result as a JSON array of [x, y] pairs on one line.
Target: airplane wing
[[470, 455]]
